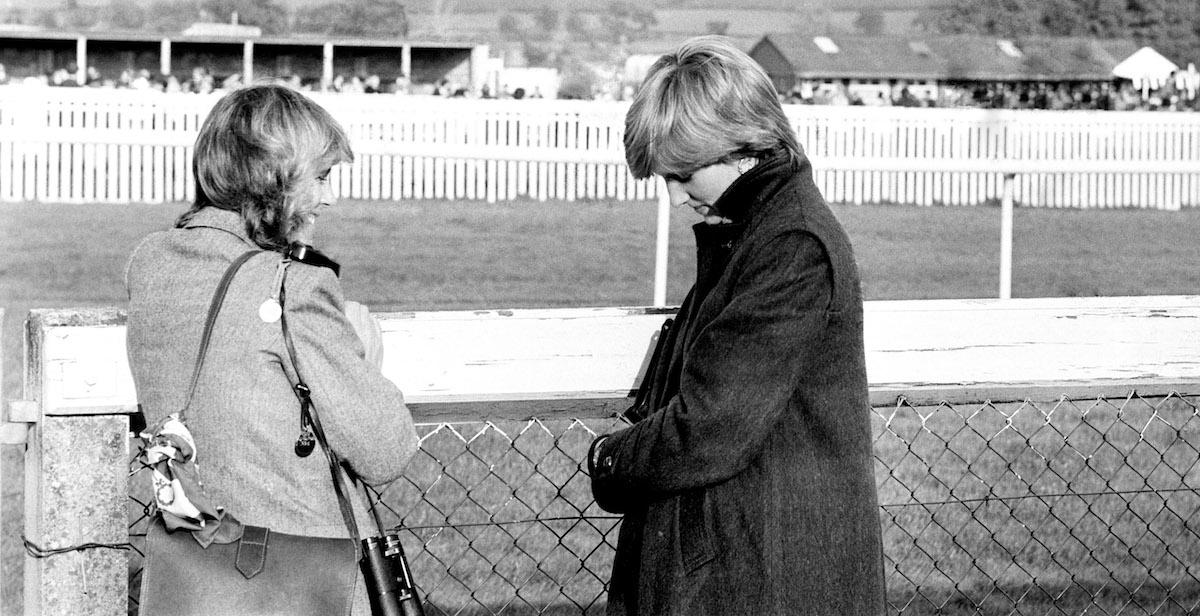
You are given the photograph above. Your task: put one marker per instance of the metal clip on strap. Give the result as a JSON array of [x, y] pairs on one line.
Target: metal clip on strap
[[337, 469]]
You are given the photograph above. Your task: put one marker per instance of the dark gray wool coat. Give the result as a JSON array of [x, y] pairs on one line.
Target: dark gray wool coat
[[749, 487]]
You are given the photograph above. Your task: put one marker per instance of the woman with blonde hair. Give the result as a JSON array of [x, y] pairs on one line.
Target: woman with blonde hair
[[746, 480], [261, 165]]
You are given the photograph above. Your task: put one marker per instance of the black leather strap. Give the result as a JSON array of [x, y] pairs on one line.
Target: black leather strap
[[641, 403], [337, 469], [214, 309], [306, 407]]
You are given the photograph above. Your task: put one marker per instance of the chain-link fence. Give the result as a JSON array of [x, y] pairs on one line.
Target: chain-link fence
[[1070, 507]]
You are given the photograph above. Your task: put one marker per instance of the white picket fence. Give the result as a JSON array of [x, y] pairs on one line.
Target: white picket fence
[[1076, 159], [83, 146]]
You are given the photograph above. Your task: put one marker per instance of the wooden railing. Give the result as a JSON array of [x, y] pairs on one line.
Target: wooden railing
[[84, 145], [490, 366]]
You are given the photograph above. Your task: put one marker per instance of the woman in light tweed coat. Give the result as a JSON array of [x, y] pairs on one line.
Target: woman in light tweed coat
[[261, 166]]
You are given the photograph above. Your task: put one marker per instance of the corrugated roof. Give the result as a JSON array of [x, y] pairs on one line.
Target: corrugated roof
[[953, 57], [858, 57]]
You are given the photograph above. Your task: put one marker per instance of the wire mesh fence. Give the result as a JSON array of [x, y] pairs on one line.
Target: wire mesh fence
[[1068, 507]]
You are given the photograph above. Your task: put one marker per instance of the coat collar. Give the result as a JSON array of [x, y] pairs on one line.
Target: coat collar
[[224, 220], [739, 202]]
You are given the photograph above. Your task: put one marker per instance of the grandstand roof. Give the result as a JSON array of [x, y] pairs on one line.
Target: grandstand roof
[[948, 57], [26, 33]]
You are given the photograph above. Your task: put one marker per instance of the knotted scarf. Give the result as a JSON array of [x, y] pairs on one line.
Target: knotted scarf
[[170, 453]]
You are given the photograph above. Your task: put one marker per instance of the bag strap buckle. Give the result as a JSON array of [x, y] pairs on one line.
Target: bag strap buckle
[[252, 551]]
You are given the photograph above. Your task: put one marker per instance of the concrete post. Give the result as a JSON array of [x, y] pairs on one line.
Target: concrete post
[[76, 470], [76, 493], [164, 57], [81, 60], [479, 56], [248, 62], [326, 66]]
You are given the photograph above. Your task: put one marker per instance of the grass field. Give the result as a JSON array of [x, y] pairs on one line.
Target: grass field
[[466, 255], [454, 255]]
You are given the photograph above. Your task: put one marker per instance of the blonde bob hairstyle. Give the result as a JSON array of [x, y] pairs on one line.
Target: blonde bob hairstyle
[[706, 102], [259, 153]]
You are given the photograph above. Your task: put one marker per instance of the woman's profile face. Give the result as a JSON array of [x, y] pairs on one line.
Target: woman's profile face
[[701, 188], [323, 197]]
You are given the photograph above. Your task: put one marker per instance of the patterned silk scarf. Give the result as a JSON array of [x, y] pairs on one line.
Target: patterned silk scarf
[[178, 491]]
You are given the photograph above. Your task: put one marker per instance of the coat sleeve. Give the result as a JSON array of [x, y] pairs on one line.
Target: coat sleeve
[[365, 419], [737, 379]]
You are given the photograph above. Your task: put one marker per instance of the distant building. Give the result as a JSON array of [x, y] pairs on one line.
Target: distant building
[[226, 50], [218, 29], [867, 63]]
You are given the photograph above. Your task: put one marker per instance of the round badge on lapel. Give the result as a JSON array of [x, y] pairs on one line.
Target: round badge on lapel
[[270, 311]]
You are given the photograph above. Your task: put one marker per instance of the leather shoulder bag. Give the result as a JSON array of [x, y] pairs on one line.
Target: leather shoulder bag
[[221, 566]]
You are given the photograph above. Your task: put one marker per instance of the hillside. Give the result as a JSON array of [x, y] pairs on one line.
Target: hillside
[[673, 19], [563, 6], [584, 27]]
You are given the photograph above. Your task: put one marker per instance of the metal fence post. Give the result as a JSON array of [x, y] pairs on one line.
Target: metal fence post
[[662, 244], [1006, 236]]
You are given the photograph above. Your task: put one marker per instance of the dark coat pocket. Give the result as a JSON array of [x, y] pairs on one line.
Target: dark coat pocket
[[695, 534]]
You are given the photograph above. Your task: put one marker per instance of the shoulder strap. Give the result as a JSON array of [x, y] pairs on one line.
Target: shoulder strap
[[302, 391], [340, 472], [214, 309]]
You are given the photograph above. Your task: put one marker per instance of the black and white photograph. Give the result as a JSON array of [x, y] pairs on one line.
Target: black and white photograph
[[583, 308]]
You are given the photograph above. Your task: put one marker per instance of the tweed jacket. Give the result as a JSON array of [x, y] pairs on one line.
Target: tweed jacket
[[245, 417], [749, 487]]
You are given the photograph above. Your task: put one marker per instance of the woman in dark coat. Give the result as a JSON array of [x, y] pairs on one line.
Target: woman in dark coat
[[747, 479]]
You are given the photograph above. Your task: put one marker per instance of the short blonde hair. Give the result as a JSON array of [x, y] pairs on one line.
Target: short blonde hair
[[704, 103], [259, 153]]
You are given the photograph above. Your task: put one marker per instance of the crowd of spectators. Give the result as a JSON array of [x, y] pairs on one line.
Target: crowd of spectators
[[200, 80], [1110, 96], [1107, 96], [203, 81]]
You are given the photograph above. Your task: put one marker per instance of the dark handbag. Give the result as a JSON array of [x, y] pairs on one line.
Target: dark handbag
[[265, 572]]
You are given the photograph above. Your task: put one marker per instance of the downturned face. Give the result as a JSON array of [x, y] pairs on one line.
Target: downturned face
[[701, 188]]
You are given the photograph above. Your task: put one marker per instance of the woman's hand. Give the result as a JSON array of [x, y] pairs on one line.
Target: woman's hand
[[368, 331]]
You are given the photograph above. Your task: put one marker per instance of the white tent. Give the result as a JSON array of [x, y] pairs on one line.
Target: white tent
[[1146, 68]]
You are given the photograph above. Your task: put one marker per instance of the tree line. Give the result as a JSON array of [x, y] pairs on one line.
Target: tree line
[[1170, 26]]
